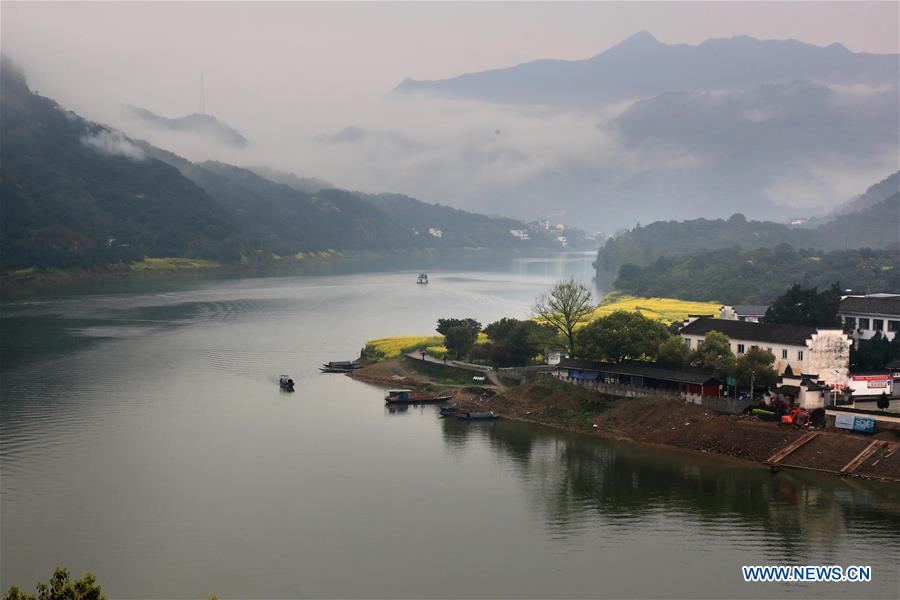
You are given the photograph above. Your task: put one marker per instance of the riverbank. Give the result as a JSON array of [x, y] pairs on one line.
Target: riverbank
[[662, 422], [327, 262]]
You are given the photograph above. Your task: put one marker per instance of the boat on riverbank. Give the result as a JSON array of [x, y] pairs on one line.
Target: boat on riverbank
[[478, 416], [409, 397], [339, 366]]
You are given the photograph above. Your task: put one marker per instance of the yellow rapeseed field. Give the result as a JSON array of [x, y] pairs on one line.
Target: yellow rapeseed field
[[667, 310], [391, 347]]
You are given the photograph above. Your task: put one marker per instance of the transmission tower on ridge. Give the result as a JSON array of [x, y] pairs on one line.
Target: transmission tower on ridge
[[202, 95]]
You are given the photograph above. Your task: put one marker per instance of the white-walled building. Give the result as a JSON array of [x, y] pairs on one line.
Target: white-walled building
[[864, 316], [743, 312], [821, 354]]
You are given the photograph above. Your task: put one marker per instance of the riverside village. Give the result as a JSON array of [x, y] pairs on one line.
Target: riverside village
[[746, 381]]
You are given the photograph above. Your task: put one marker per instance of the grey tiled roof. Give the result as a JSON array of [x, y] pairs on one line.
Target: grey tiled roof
[[794, 335], [872, 306]]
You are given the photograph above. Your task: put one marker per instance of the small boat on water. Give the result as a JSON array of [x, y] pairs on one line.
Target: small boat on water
[[448, 409], [423, 278], [409, 397], [339, 366], [478, 416], [286, 383]]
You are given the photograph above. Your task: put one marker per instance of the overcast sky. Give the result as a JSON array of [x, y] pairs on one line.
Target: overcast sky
[[285, 74], [279, 55]]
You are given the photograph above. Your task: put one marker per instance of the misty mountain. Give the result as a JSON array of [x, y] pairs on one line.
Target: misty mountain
[[202, 125], [302, 184], [878, 193], [641, 66], [876, 226], [77, 193]]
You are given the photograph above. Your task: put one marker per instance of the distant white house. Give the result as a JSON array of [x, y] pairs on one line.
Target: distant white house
[[864, 316], [553, 356], [743, 312], [519, 233], [563, 241], [435, 232]]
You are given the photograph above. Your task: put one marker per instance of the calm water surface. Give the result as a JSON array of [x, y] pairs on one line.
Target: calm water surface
[[144, 438]]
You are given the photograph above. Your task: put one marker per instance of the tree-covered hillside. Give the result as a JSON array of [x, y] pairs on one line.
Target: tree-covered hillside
[[78, 194], [758, 276], [75, 193], [875, 224]]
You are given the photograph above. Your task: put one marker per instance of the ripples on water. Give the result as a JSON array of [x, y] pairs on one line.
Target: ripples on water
[[143, 437]]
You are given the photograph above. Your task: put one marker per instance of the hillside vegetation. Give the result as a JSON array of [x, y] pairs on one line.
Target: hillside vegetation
[[760, 275], [874, 224], [78, 194]]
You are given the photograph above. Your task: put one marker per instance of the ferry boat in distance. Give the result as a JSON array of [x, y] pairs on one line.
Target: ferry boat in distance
[[423, 278]]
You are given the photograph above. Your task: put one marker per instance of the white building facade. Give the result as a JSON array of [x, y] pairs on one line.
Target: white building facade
[[822, 353], [865, 316]]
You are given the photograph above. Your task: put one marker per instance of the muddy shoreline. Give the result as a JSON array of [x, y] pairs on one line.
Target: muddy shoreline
[[663, 423]]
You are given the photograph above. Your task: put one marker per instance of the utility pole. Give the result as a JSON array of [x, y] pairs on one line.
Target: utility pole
[[752, 373], [202, 94]]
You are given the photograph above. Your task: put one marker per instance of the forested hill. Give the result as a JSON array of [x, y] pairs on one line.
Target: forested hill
[[737, 276], [874, 226], [78, 194], [75, 193]]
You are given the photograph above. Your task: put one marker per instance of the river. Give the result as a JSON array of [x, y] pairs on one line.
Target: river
[[144, 438]]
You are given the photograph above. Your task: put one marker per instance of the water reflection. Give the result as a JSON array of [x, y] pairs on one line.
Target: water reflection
[[574, 479]]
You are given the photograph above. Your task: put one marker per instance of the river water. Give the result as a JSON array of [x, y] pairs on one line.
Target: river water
[[144, 438]]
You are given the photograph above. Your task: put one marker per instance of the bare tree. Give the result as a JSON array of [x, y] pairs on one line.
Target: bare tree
[[568, 304]]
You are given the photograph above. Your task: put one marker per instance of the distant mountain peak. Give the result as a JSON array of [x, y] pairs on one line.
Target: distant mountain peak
[[202, 124], [641, 67]]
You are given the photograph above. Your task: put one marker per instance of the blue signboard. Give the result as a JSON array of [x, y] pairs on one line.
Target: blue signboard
[[864, 424]]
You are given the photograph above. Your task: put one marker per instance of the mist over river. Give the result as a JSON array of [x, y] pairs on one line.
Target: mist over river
[[143, 437]]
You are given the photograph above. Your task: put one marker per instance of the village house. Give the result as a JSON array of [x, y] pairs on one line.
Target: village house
[[743, 312], [803, 391], [822, 353], [864, 316]]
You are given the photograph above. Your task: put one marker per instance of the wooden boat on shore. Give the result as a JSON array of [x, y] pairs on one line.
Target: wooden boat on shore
[[478, 416], [339, 366], [448, 410], [409, 397]]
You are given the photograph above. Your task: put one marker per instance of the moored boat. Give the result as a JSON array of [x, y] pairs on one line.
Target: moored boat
[[339, 366], [286, 383], [478, 416], [409, 397], [422, 278], [448, 409]]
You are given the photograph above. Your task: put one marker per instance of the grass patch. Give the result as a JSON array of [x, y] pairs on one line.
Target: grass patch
[[440, 373], [173, 264]]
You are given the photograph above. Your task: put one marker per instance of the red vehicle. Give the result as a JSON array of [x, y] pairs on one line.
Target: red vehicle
[[797, 417]]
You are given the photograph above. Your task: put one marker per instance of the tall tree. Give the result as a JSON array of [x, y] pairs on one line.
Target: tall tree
[[622, 336], [459, 340], [61, 587], [806, 306], [444, 325], [674, 351], [568, 305], [755, 365], [714, 352]]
